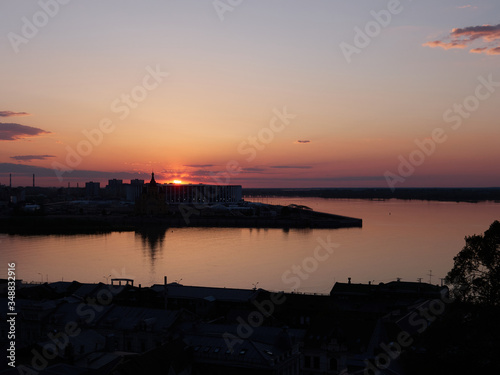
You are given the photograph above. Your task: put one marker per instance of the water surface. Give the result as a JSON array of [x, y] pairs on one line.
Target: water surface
[[403, 239]]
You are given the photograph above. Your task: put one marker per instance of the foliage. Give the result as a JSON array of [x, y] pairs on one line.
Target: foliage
[[475, 276]]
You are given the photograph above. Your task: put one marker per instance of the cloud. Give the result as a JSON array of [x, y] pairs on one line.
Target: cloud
[[486, 50], [303, 141], [487, 32], [12, 114], [444, 45], [198, 165], [12, 131], [254, 169], [292, 166], [466, 6], [31, 157], [488, 35]]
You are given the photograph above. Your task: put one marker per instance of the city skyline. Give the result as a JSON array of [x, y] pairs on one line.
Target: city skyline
[[366, 94]]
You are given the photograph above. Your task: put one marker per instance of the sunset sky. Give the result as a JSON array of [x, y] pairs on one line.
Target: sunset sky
[[255, 92]]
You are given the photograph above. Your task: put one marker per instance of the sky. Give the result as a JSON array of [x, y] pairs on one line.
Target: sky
[[260, 93]]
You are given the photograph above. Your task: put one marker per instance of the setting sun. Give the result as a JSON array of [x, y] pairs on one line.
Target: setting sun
[[177, 182]]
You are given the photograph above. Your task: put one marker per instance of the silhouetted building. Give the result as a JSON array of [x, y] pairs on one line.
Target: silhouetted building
[[152, 200], [115, 188], [92, 189], [202, 194], [134, 190]]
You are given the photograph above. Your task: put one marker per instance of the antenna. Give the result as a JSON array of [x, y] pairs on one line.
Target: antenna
[[430, 276]]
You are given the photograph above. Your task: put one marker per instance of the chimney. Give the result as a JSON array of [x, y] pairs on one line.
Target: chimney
[[33, 180], [165, 291], [10, 180], [348, 280]]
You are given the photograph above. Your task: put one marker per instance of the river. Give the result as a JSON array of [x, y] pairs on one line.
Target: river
[[399, 239]]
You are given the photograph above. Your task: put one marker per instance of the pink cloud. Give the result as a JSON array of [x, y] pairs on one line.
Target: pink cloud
[[492, 51], [487, 32], [13, 131], [12, 114], [464, 37], [444, 45]]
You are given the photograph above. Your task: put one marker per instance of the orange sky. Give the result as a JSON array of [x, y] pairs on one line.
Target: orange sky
[[184, 92]]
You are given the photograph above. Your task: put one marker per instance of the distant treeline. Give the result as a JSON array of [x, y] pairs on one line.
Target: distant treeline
[[434, 194]]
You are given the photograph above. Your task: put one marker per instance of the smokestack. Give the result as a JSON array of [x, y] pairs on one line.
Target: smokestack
[[10, 180], [165, 291], [33, 180], [348, 280]]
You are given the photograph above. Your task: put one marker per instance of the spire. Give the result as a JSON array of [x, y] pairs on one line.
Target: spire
[[152, 182]]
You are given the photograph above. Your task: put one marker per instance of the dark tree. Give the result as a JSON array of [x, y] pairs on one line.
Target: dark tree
[[475, 276]]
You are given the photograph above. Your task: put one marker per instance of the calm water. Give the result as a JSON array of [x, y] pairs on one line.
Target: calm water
[[399, 239]]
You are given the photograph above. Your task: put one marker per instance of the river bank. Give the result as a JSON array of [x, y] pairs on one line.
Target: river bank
[[90, 224]]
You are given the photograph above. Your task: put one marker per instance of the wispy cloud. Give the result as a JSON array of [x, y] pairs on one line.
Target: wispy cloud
[[445, 45], [31, 157], [198, 165], [464, 37], [292, 166], [468, 6], [13, 131], [254, 169], [12, 114], [303, 141], [488, 51]]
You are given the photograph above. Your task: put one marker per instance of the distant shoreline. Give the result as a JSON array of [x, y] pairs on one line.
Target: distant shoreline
[[471, 195]]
